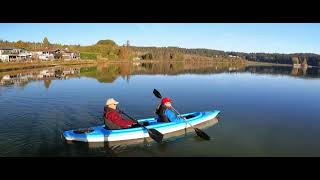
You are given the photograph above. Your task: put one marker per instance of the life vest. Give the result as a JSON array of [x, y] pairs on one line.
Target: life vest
[[160, 111], [107, 122]]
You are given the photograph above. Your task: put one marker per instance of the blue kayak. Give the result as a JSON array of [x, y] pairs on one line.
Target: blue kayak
[[101, 134]]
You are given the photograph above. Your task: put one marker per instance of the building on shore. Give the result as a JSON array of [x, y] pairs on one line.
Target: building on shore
[[69, 55], [9, 54], [55, 54], [46, 54]]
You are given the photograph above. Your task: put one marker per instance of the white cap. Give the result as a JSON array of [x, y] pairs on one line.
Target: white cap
[[111, 101]]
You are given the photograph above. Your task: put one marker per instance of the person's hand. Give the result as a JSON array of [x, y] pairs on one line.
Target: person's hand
[[146, 123], [135, 125]]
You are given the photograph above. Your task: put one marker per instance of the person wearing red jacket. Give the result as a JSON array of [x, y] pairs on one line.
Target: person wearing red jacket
[[113, 119]]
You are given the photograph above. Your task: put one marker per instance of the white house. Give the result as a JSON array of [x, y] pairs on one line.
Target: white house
[[4, 58], [46, 57], [12, 54], [68, 55], [24, 55], [4, 54], [234, 56], [45, 54]]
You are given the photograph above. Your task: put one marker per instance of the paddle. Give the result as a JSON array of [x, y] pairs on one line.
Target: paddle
[[200, 133], [153, 133]]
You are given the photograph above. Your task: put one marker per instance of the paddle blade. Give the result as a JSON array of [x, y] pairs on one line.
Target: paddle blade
[[157, 93], [155, 135], [202, 134]]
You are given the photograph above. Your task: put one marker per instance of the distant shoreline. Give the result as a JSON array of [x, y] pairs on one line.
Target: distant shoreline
[[41, 64]]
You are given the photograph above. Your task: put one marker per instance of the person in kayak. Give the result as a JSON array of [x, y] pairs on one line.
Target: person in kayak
[[113, 118], [165, 112]]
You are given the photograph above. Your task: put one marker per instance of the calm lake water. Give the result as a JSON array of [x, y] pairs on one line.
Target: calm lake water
[[266, 111]]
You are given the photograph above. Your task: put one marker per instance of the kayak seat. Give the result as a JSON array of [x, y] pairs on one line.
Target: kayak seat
[[190, 116]]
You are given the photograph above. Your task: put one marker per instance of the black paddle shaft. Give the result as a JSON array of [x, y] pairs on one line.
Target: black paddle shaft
[[131, 118], [153, 133]]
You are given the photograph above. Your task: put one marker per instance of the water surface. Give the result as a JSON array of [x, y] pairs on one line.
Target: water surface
[[266, 111]]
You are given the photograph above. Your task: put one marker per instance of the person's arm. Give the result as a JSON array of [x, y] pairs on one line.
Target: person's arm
[[117, 119], [171, 116], [128, 120]]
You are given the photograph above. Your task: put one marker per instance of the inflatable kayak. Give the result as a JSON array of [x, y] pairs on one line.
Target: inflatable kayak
[[101, 134]]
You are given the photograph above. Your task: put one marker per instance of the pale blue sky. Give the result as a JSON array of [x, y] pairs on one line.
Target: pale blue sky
[[255, 37]]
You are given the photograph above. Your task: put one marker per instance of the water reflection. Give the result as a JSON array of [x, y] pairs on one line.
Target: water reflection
[[108, 72], [21, 78], [261, 116], [285, 70]]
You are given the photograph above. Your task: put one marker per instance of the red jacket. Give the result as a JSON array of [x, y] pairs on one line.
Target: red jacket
[[117, 119]]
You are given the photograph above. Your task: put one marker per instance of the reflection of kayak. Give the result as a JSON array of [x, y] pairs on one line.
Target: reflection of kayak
[[100, 134]]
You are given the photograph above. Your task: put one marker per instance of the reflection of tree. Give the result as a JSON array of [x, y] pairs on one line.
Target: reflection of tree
[[125, 70], [295, 71], [304, 70], [107, 72], [269, 70], [23, 84], [182, 67], [299, 71], [284, 70], [103, 73], [47, 83]]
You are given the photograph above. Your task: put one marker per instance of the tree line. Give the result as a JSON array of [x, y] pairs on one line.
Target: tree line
[[277, 58], [110, 50]]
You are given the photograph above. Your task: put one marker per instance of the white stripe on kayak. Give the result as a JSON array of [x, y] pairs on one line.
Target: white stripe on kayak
[[143, 133]]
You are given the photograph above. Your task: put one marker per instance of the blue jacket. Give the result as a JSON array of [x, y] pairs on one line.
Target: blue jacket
[[172, 116]]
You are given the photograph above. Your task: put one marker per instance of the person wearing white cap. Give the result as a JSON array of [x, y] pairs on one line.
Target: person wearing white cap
[[112, 117], [112, 103]]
